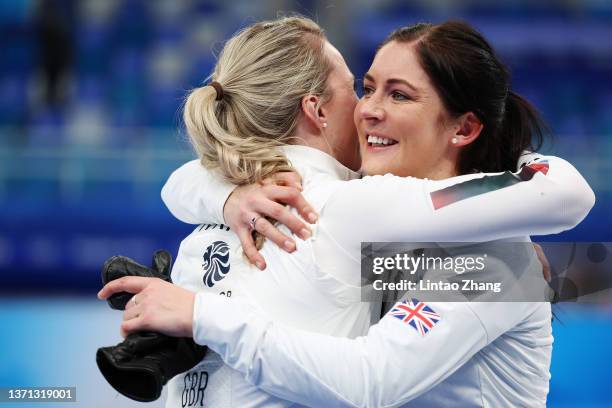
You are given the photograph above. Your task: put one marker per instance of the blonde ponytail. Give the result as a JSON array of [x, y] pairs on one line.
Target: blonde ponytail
[[240, 160]]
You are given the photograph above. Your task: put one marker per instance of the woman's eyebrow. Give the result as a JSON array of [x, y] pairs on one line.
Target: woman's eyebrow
[[402, 81], [392, 81]]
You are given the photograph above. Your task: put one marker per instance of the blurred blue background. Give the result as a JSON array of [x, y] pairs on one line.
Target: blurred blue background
[[90, 102]]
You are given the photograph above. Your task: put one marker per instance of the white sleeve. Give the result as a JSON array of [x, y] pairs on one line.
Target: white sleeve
[[546, 196], [196, 195], [394, 363]]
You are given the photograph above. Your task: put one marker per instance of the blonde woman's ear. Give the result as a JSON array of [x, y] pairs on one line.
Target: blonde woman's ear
[[310, 105]]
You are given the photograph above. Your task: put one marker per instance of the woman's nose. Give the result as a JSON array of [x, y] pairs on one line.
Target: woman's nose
[[370, 109]]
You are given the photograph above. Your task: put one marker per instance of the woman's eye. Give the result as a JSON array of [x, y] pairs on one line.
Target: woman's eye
[[367, 90], [398, 96]]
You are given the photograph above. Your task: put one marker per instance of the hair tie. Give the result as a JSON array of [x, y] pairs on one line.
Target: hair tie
[[218, 89]]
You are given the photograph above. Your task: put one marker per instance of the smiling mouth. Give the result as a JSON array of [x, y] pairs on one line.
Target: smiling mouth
[[375, 141]]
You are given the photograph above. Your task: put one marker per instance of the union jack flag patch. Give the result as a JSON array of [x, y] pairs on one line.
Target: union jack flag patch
[[417, 314]]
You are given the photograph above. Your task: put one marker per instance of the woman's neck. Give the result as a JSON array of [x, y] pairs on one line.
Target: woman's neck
[[442, 170]]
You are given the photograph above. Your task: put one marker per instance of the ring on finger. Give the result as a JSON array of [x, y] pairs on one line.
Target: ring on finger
[[253, 222]]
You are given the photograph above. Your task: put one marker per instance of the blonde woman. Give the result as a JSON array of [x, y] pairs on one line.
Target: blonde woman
[[291, 101]]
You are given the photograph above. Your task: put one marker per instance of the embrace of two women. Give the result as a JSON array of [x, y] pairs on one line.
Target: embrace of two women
[[282, 137]]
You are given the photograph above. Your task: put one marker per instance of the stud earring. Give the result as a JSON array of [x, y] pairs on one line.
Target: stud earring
[[454, 140]]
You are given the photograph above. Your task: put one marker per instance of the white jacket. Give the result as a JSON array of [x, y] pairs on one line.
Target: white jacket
[[478, 354]]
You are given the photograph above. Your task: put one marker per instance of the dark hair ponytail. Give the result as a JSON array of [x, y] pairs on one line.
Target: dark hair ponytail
[[521, 128], [469, 77]]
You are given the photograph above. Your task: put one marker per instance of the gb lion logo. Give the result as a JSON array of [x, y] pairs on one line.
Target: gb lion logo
[[216, 263]]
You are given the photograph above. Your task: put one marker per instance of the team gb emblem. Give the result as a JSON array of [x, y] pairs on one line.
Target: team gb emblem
[[216, 263]]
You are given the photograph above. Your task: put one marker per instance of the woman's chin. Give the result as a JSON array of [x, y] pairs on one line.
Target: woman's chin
[[379, 161], [375, 167]]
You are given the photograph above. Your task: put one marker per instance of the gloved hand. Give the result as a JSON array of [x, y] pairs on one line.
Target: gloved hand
[[119, 266], [144, 362], [140, 366]]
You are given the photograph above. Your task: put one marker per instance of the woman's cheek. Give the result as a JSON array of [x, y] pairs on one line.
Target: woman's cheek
[[356, 114]]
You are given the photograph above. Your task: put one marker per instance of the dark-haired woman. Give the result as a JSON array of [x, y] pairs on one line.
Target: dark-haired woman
[[436, 104]]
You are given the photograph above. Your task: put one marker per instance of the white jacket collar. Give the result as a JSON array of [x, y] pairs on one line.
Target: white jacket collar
[[306, 159]]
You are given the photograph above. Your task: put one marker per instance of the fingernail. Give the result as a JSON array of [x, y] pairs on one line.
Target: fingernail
[[99, 295], [312, 217], [260, 265], [304, 233], [289, 246]]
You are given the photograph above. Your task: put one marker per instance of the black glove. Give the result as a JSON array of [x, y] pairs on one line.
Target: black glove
[[140, 366], [119, 266], [144, 362]]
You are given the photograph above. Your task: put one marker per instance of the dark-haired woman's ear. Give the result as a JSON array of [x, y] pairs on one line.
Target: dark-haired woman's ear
[[469, 128]]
